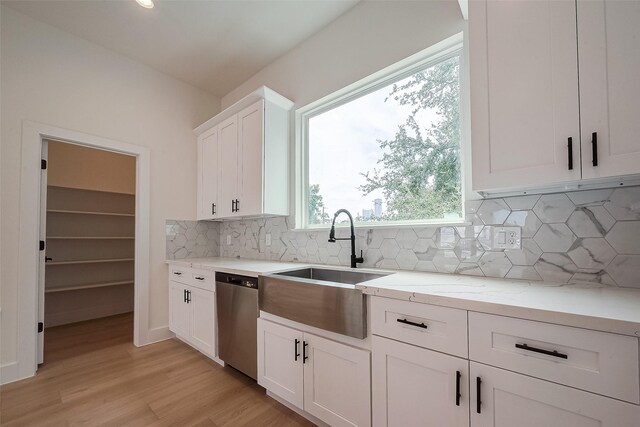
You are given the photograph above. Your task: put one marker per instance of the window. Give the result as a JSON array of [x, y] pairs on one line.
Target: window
[[390, 153]]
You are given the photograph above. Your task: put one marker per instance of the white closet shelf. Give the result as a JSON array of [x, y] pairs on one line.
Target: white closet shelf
[[90, 286], [88, 261], [89, 213], [88, 237]]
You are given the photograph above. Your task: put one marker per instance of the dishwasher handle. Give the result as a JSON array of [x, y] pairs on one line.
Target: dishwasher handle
[[237, 280]]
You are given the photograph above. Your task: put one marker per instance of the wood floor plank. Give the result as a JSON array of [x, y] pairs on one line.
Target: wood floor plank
[[93, 375]]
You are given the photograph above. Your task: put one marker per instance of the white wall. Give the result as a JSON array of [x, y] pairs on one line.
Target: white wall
[[369, 37], [52, 77]]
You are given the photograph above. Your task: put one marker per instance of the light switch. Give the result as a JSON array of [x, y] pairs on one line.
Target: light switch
[[228, 239], [501, 237]]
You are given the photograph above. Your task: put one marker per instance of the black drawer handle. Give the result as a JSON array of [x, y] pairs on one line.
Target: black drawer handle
[[177, 273], [409, 322], [188, 297], [296, 353], [213, 208], [199, 278], [594, 148], [304, 351], [184, 295], [458, 376], [478, 395], [570, 153], [553, 353]]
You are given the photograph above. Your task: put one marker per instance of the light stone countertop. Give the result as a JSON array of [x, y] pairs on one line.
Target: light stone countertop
[[246, 267], [598, 307]]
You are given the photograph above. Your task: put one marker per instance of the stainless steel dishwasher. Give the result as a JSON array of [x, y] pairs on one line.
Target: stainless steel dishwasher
[[237, 307]]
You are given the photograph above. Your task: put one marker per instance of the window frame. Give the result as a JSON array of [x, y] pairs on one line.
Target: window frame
[[448, 48]]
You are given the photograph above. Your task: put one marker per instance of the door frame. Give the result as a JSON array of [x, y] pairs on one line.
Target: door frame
[[28, 253]]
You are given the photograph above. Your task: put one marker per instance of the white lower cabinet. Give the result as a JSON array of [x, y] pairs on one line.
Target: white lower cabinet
[[325, 378], [413, 386], [501, 398], [192, 316]]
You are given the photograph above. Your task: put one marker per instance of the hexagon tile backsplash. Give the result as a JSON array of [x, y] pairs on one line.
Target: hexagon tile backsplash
[[584, 236], [192, 239]]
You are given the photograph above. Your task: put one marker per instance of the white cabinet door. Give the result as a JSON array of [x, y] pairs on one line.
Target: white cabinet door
[[228, 178], [203, 320], [178, 310], [250, 145], [524, 93], [509, 399], [337, 382], [413, 386], [609, 55], [280, 361], [208, 174]]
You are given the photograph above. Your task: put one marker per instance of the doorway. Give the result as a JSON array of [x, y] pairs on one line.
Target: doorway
[[33, 134], [88, 225]]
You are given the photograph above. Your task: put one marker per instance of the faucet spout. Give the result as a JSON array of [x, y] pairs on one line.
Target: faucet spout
[[332, 237]]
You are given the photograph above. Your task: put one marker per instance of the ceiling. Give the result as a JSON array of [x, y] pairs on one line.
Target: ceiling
[[215, 45]]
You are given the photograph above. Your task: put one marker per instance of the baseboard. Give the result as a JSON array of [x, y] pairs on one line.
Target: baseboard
[[159, 334], [298, 411], [9, 373]]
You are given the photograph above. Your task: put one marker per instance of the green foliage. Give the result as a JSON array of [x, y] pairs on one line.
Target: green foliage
[[317, 215], [420, 174]]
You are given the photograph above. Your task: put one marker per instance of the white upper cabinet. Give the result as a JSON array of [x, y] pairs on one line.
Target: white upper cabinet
[[524, 97], [208, 165], [228, 176], [534, 122], [250, 169], [250, 138], [609, 55]]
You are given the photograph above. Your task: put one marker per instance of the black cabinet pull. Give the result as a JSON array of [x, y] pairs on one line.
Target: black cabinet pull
[[458, 375], [478, 395], [296, 353], [304, 352], [213, 208], [188, 297], [409, 322], [184, 295], [237, 205], [233, 206], [177, 273], [594, 148], [553, 353], [199, 278], [570, 153]]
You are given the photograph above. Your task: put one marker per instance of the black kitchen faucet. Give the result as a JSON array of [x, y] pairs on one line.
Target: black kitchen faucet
[[332, 237]]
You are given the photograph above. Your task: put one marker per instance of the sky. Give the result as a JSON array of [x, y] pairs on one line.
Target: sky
[[343, 143]]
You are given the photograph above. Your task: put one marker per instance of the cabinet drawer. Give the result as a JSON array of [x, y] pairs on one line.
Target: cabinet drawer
[[599, 362], [203, 279], [179, 274], [439, 328]]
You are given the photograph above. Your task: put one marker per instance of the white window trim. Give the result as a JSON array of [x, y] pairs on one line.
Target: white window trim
[[452, 46]]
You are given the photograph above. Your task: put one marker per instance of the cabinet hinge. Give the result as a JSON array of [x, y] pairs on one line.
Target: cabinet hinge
[[40, 327], [43, 164], [42, 245]]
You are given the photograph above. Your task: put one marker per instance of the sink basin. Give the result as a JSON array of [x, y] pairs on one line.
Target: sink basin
[[349, 277], [321, 297]]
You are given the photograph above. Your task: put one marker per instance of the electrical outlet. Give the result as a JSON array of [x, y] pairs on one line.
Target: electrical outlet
[[268, 239], [228, 239], [507, 238]]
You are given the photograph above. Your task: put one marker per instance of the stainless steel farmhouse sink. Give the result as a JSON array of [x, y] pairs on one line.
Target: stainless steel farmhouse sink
[[322, 297]]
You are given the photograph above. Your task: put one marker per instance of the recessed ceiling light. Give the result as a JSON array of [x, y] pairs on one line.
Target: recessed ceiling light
[[147, 4]]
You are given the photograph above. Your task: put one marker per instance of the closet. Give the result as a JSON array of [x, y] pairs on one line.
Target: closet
[[90, 223]]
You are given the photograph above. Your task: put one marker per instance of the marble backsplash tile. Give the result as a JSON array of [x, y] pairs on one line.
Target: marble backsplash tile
[[192, 239], [584, 236]]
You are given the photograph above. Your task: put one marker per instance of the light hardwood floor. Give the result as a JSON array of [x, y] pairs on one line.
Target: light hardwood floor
[[94, 375]]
